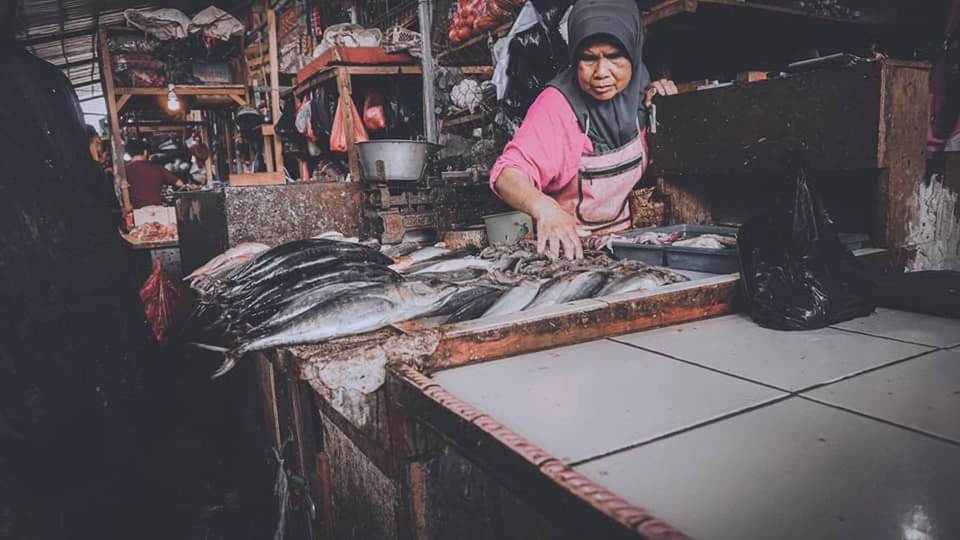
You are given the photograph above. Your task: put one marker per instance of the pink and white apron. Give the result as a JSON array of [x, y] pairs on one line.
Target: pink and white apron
[[599, 197]]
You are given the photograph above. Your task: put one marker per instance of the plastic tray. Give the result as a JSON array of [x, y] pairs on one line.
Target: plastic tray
[[713, 261]]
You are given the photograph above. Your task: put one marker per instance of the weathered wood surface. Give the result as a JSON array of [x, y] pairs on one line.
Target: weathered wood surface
[[581, 321], [902, 148], [831, 115], [575, 504], [365, 501], [852, 120]]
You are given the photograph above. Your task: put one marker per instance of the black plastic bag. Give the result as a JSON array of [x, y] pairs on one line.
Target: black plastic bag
[[796, 272], [537, 55]]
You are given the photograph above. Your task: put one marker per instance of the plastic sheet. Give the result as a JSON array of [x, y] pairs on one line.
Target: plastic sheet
[[163, 23], [374, 116], [796, 272], [161, 299], [215, 23], [338, 133]]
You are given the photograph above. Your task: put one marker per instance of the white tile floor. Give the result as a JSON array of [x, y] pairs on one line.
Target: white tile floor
[[728, 430]]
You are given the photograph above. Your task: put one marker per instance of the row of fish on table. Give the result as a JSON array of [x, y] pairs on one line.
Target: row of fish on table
[[320, 289]]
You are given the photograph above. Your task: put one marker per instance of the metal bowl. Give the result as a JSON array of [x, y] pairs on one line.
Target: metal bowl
[[395, 160]]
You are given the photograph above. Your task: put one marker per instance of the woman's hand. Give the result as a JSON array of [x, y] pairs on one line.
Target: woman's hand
[[557, 230], [663, 87]]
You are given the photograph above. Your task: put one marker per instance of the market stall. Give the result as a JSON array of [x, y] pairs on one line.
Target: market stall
[[347, 263], [336, 288]]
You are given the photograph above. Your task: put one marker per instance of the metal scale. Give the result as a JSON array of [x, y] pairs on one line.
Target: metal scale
[[392, 208]]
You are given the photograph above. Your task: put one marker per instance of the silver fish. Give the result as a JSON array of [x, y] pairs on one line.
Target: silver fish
[[454, 265], [307, 300], [229, 258], [569, 288], [347, 315], [395, 251], [641, 280], [465, 275], [516, 299]]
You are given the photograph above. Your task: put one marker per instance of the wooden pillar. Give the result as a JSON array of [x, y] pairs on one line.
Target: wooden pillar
[[345, 88], [274, 87], [113, 117], [902, 152]]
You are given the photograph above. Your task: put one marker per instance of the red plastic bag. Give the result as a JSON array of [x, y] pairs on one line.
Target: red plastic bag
[[374, 117], [160, 299], [338, 133]]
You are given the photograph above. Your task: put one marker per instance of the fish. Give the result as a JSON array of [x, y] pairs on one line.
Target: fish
[[269, 300], [463, 296], [428, 256], [569, 288], [640, 280], [395, 251], [465, 275], [346, 315], [453, 265], [303, 268], [476, 307], [652, 238], [305, 301], [515, 299], [708, 241], [293, 254], [233, 256]]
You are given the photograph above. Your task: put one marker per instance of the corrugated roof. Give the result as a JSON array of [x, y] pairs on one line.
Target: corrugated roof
[[64, 32]]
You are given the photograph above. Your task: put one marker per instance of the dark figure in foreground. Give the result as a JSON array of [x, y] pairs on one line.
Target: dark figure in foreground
[[71, 326]]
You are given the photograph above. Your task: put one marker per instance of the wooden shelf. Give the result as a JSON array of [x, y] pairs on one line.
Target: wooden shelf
[[148, 245], [330, 73], [186, 90], [464, 117], [673, 8]]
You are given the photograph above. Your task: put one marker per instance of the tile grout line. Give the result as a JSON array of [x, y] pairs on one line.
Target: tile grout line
[[787, 395], [888, 338], [685, 429], [890, 423], [695, 364], [865, 371]]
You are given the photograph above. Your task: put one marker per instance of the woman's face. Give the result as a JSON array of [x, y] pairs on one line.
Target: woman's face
[[603, 70]]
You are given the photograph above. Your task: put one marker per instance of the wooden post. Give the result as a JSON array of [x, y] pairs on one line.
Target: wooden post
[[902, 151], [113, 116], [345, 87], [274, 87]]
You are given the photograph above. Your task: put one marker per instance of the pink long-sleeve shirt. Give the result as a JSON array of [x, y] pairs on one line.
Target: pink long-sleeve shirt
[[547, 146]]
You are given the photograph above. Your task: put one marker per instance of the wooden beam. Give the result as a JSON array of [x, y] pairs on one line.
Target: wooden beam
[[122, 101], [109, 92], [187, 90]]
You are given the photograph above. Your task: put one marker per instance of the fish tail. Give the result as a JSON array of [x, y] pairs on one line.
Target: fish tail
[[208, 347], [229, 362]]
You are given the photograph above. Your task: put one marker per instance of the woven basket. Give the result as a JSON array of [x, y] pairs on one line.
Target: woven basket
[[645, 210]]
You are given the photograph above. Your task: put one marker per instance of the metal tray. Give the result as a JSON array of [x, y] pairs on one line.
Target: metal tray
[[714, 261]]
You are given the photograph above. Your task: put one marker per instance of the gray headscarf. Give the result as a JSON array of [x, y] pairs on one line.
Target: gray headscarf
[[614, 122]]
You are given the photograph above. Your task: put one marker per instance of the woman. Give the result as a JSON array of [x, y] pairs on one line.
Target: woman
[[582, 146]]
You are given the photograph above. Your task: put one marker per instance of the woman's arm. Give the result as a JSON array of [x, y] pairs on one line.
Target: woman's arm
[[556, 229]]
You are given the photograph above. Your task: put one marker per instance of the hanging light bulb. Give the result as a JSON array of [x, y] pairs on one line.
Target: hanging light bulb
[[173, 102]]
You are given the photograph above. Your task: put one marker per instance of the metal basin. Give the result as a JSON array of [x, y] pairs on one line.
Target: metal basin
[[394, 160]]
